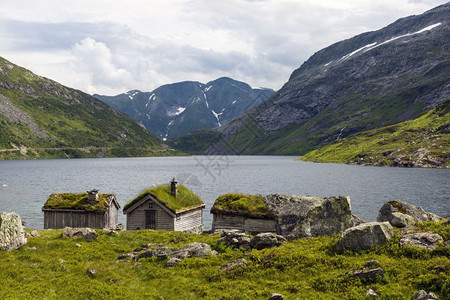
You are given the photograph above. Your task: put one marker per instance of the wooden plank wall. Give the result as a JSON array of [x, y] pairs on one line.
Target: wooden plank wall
[[53, 219], [189, 220], [243, 223], [136, 218]]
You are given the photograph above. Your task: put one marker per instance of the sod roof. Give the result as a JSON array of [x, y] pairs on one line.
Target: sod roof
[[241, 204], [185, 200], [78, 202]]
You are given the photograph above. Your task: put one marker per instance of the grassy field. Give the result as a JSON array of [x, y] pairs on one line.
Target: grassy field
[[50, 266]]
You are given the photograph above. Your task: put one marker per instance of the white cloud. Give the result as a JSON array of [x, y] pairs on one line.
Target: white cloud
[[113, 46]]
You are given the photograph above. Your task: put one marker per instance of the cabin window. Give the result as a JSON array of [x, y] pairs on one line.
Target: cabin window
[[150, 219]]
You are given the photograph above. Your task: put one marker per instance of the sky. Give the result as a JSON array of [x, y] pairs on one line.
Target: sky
[[113, 46]]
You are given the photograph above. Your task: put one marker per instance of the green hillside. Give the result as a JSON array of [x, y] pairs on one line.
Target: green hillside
[[40, 118], [422, 142]]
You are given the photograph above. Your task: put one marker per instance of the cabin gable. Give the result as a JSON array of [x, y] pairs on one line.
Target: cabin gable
[[148, 213]]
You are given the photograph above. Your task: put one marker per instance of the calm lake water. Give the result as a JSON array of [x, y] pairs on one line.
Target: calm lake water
[[25, 185]]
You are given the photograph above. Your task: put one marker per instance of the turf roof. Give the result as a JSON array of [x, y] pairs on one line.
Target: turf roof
[[241, 204], [184, 201], [77, 202]]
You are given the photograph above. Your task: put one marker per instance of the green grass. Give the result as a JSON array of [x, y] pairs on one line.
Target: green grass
[[425, 138], [185, 200], [53, 267], [241, 204], [77, 201]]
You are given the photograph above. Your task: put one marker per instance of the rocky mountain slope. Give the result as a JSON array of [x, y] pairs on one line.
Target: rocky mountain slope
[[176, 109], [40, 118], [369, 81], [422, 142]]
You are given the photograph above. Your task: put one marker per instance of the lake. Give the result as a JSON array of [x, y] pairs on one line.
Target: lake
[[26, 184]]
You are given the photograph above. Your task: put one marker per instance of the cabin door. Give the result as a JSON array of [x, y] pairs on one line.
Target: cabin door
[[150, 219]]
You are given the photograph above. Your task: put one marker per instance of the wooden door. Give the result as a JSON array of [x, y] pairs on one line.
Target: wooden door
[[150, 219]]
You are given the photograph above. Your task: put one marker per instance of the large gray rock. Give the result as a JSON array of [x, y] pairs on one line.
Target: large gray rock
[[427, 240], [365, 236], [195, 249], [266, 240], [86, 233], [306, 216], [401, 214], [423, 295], [235, 239], [12, 235]]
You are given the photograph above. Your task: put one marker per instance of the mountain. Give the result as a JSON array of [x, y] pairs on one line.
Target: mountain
[[372, 80], [176, 109], [40, 118], [422, 142]]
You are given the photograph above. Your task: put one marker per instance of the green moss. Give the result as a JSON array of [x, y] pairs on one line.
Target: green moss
[[241, 204], [185, 199], [77, 201]]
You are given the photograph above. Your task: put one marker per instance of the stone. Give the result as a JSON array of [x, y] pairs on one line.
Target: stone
[[427, 240], [365, 236], [173, 261], [275, 296], [91, 273], [266, 240], [161, 253], [388, 210], [235, 264], [12, 234], [235, 239], [372, 293], [423, 295], [119, 227], [86, 233], [112, 233], [307, 216], [369, 276], [195, 249], [355, 221]]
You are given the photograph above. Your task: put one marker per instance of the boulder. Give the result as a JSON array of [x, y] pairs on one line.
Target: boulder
[[12, 235], [306, 216], [422, 295], [401, 214], [365, 236], [355, 221], [195, 249], [275, 296], [235, 239], [266, 240], [427, 240], [86, 233], [369, 276], [235, 264], [161, 253]]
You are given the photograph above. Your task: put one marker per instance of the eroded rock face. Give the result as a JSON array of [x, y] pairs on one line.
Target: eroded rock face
[[365, 236], [12, 235], [306, 216], [401, 214], [426, 240]]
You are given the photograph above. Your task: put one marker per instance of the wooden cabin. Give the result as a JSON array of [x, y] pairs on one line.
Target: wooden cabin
[[89, 209], [242, 212], [166, 207]]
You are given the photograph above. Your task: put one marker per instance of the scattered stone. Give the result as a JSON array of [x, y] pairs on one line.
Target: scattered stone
[[173, 261], [112, 233], [276, 297], [126, 256], [161, 253], [394, 212], [86, 233], [365, 236], [372, 293], [369, 276], [372, 264], [422, 295], [355, 221], [119, 227], [427, 240], [195, 249], [78, 245], [306, 216], [33, 233], [266, 240], [12, 235], [31, 248], [235, 239], [235, 264], [91, 273]]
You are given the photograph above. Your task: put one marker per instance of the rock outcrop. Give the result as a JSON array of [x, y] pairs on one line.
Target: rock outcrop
[[12, 235], [401, 214], [427, 240], [195, 249], [365, 236], [306, 216]]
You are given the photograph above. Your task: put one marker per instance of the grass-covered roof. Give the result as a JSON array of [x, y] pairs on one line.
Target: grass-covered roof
[[77, 202], [241, 204], [185, 200]]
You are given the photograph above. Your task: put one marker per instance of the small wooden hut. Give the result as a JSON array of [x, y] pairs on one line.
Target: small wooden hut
[[89, 209], [166, 207], [242, 212]]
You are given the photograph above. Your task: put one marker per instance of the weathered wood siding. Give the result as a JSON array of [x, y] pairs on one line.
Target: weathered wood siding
[[60, 219], [189, 220], [221, 221], [112, 216], [136, 218]]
